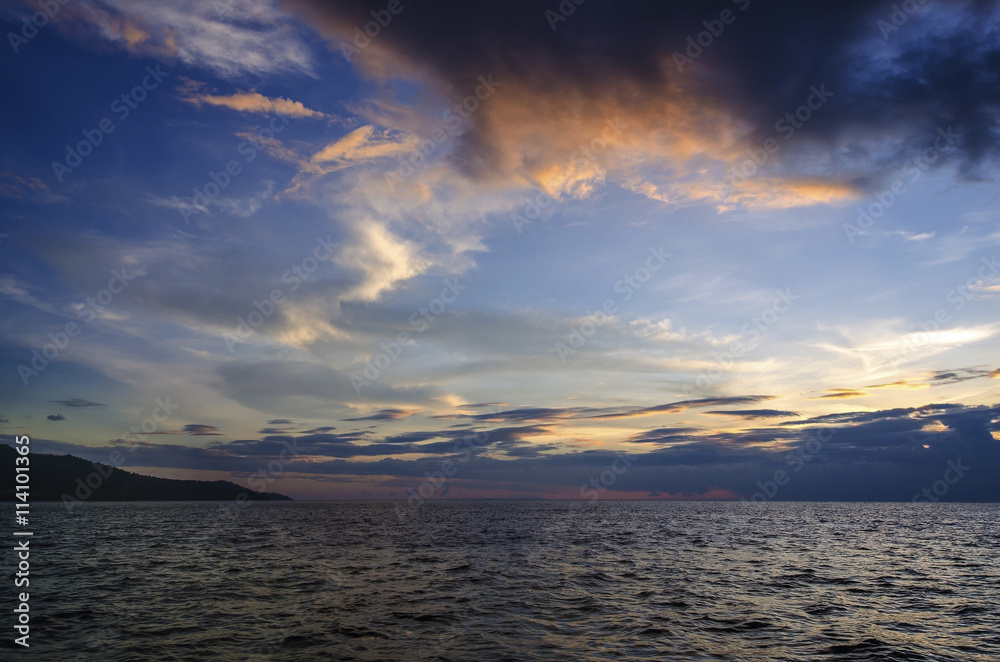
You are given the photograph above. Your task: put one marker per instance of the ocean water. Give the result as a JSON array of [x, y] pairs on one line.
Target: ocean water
[[514, 580]]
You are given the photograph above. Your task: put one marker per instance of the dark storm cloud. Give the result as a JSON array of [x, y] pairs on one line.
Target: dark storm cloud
[[56, 417], [936, 71]]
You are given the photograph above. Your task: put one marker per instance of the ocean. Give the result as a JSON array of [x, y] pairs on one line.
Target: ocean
[[513, 580]]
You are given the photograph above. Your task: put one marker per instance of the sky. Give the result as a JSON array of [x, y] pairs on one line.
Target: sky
[[577, 250]]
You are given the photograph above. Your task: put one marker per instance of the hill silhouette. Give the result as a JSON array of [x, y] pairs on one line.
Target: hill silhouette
[[53, 476]]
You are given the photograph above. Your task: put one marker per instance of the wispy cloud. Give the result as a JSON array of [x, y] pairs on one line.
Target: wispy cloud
[[249, 37], [200, 430], [842, 393], [254, 102], [751, 414], [684, 405], [386, 415], [78, 402]]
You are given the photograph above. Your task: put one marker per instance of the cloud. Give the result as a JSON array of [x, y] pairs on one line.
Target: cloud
[[242, 207], [29, 189], [842, 393], [78, 402], [199, 430], [901, 384], [683, 405], [11, 288], [360, 146], [386, 415], [665, 435], [529, 414], [755, 413], [254, 102], [233, 40], [382, 258], [363, 145], [959, 375], [769, 193], [686, 126], [300, 387], [873, 455], [56, 417]]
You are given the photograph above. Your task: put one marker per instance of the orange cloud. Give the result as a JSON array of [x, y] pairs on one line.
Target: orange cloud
[[901, 384], [665, 140], [253, 102], [837, 393], [772, 193], [359, 146], [12, 186]]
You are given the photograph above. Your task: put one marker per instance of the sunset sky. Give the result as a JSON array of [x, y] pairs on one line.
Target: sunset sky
[[697, 236]]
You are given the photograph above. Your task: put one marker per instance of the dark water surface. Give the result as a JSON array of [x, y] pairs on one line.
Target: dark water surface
[[495, 580]]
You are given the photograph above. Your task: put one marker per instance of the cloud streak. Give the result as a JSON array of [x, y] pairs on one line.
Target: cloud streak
[[253, 102]]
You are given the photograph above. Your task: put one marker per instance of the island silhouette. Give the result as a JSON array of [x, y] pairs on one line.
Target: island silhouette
[[72, 479]]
